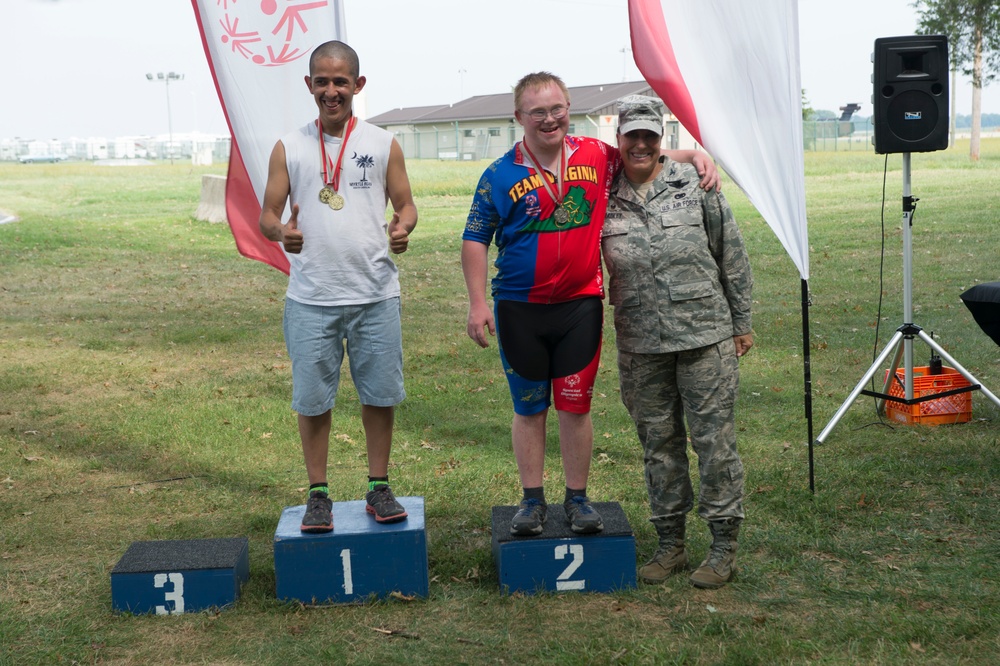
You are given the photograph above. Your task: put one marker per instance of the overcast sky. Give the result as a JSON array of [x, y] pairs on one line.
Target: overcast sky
[[78, 67]]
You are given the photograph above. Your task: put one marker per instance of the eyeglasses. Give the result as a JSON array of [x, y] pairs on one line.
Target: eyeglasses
[[539, 115]]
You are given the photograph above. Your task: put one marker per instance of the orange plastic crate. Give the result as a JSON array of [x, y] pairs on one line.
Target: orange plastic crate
[[949, 409]]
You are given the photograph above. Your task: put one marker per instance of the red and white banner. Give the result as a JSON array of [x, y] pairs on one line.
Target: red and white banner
[[729, 72], [259, 55]]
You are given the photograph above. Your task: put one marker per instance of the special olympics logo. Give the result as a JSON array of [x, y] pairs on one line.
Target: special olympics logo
[[269, 33], [572, 380]]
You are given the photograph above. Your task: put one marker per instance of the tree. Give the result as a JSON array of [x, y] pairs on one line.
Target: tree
[[807, 112], [973, 31]]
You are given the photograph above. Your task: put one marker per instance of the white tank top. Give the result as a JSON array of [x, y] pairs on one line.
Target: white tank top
[[345, 253]]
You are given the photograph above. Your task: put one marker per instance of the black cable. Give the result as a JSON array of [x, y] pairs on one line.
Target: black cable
[[881, 290], [881, 268]]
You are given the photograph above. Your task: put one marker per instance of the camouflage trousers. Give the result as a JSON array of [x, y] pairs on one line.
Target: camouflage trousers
[[661, 391]]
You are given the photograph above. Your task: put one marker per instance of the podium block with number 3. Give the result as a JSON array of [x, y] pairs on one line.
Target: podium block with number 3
[[176, 577]]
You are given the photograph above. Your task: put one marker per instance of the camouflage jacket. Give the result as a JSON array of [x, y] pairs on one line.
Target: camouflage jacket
[[679, 273]]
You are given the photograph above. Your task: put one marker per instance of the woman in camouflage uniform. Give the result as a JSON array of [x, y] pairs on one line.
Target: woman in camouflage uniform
[[680, 284]]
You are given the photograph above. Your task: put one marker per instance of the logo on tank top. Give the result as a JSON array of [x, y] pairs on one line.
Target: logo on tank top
[[363, 162]]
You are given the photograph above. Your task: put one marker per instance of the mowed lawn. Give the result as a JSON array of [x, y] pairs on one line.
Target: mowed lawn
[[145, 388]]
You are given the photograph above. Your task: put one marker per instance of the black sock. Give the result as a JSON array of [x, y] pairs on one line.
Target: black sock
[[572, 492], [374, 481], [321, 486], [535, 493]]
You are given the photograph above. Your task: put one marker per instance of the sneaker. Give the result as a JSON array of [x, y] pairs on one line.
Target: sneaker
[[383, 505], [530, 518], [581, 516], [318, 517]]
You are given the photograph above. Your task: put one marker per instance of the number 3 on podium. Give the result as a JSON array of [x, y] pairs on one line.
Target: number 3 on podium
[[176, 595]]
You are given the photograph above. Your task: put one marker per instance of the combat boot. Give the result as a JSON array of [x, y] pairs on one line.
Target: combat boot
[[720, 565], [670, 556]]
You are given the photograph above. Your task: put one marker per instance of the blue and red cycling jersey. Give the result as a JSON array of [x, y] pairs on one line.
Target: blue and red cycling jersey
[[540, 260]]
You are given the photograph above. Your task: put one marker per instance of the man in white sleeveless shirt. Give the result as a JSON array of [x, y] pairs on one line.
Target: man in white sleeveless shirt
[[339, 173]]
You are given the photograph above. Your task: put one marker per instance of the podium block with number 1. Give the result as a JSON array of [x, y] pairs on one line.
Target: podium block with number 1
[[359, 559]]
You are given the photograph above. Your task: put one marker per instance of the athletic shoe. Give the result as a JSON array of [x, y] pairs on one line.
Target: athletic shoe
[[581, 516], [530, 518], [383, 505], [318, 517]]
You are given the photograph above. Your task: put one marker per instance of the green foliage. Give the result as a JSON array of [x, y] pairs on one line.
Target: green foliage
[[144, 390], [807, 112], [973, 30]]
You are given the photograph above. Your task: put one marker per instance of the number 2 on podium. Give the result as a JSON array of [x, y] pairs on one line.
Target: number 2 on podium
[[575, 551]]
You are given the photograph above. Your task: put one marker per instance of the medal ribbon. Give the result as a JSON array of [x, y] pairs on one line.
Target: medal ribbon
[[327, 162], [561, 179]]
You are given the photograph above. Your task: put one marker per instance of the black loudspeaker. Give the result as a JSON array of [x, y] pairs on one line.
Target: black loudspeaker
[[911, 94]]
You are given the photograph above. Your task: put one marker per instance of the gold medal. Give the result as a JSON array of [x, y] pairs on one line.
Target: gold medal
[[561, 216], [328, 194]]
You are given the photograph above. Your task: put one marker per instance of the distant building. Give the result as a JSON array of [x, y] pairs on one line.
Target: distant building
[[200, 149], [28, 151], [483, 127]]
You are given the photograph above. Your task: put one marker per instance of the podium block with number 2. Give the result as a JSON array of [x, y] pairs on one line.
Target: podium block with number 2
[[560, 560]]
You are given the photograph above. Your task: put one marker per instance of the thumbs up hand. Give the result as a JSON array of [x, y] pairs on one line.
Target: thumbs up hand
[[291, 237], [399, 237]]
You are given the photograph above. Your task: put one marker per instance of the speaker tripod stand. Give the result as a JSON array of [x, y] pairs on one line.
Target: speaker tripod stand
[[900, 346]]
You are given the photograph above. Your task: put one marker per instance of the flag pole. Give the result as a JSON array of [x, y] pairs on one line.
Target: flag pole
[[807, 372]]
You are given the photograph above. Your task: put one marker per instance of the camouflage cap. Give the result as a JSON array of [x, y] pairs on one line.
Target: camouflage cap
[[638, 112]]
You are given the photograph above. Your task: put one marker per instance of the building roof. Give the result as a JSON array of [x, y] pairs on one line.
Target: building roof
[[406, 115], [584, 100]]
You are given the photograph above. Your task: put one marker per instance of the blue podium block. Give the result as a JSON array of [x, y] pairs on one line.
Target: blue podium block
[[175, 577], [359, 559], [559, 560]]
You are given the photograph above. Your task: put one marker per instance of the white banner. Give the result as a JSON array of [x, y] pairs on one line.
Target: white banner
[[729, 72], [259, 56]]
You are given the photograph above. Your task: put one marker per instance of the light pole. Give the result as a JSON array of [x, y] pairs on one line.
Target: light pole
[[624, 51], [166, 78]]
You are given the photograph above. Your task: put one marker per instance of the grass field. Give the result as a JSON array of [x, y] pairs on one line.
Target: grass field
[[144, 394]]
